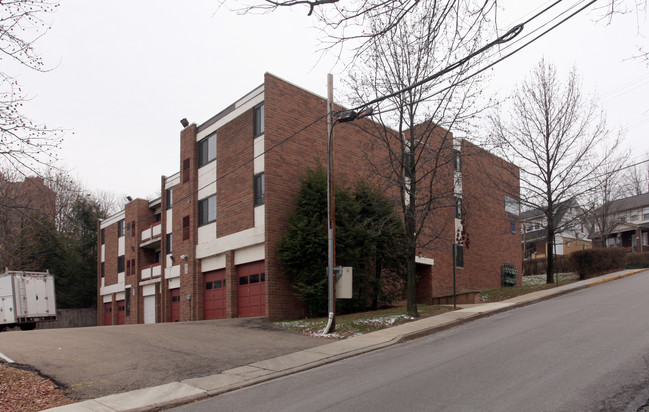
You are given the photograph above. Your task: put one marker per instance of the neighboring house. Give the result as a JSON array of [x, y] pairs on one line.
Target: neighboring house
[[624, 224], [25, 206], [571, 230], [207, 248]]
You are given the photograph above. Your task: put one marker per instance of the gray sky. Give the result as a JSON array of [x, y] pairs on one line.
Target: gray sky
[[125, 72]]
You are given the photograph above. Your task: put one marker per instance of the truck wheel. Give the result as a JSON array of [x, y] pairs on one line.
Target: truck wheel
[[28, 326]]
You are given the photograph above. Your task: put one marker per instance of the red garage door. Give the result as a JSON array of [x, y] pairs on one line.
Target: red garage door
[[175, 304], [108, 314], [214, 295], [121, 311], [251, 293]]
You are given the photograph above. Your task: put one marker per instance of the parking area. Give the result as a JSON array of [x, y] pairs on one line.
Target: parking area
[[98, 361]]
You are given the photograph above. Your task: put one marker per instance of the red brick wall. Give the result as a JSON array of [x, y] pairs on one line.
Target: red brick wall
[[186, 204]]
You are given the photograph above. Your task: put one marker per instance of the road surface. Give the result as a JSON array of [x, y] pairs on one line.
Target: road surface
[[585, 351]]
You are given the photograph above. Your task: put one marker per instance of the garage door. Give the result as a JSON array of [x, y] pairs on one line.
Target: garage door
[[214, 294], [121, 311], [175, 305], [251, 291], [149, 309], [108, 313]]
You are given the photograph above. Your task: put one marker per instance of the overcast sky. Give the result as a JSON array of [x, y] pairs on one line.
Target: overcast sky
[[125, 72]]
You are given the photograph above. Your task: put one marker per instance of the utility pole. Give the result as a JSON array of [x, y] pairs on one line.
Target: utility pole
[[331, 222]]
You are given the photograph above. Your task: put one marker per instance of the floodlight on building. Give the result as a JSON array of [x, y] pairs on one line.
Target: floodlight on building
[[184, 122]]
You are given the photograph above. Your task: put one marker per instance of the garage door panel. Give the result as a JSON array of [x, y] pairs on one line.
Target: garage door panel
[[108, 314], [175, 305], [251, 291], [214, 297]]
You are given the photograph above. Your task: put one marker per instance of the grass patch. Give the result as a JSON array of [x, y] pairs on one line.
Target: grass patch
[[355, 324], [530, 284]]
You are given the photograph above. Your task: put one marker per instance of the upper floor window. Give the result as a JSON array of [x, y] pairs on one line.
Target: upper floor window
[[258, 120], [170, 198], [120, 228], [634, 215], [457, 161], [407, 165], [120, 264], [645, 213], [458, 208], [259, 189], [207, 150], [207, 210], [186, 170], [103, 235], [185, 227], [169, 243]]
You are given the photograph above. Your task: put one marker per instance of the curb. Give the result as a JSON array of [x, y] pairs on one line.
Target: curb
[[194, 393]]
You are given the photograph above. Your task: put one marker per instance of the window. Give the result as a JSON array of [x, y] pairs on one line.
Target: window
[[120, 228], [634, 215], [457, 161], [207, 150], [645, 213], [120, 264], [170, 198], [128, 268], [458, 208], [259, 189], [133, 266], [186, 164], [207, 210], [185, 227], [407, 165], [169, 243], [102, 270], [258, 120], [645, 238], [458, 252], [103, 235]]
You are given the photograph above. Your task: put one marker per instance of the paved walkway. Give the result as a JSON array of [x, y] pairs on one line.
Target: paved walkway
[[189, 390]]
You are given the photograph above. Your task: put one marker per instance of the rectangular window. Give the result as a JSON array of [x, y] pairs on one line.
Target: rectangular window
[[458, 208], [645, 239], [259, 189], [457, 161], [120, 228], [170, 198], [243, 280], [458, 252], [103, 236], [169, 243], [133, 266], [207, 150], [407, 165], [258, 120], [120, 264], [634, 215], [128, 268], [645, 213], [207, 210], [186, 228], [186, 164], [102, 270]]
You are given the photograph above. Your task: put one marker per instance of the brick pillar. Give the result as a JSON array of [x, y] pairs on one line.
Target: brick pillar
[[232, 285]]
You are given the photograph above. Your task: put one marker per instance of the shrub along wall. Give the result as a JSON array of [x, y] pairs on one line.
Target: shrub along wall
[[562, 264], [592, 262]]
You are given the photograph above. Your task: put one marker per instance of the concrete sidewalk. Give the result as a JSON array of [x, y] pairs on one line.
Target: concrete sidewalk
[[189, 390]]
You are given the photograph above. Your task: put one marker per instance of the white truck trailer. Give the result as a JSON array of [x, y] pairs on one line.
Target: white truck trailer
[[26, 298]]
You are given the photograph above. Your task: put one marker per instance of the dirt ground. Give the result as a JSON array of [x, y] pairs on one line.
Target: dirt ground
[[22, 390]]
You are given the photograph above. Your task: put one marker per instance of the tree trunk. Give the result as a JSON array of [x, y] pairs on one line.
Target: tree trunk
[[550, 256]]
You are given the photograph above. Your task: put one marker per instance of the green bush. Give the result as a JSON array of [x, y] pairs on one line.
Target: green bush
[[637, 260], [593, 262], [562, 264]]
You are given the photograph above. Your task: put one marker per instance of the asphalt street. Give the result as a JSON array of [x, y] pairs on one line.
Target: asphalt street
[[584, 351], [104, 360]]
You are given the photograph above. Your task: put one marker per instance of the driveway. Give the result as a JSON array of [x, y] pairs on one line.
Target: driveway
[[98, 361]]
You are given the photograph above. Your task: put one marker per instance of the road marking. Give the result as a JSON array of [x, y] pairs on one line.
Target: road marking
[[6, 358]]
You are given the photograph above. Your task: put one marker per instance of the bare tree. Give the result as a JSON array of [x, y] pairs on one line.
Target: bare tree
[[24, 144], [358, 24], [637, 180], [552, 134], [412, 127]]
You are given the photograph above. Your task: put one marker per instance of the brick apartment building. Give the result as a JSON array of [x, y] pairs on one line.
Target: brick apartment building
[[24, 207], [206, 248]]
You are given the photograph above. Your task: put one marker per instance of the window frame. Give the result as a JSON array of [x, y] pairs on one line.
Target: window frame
[[458, 207], [204, 215], [169, 196], [258, 120], [259, 189], [204, 146], [169, 243], [186, 227], [120, 228], [120, 263]]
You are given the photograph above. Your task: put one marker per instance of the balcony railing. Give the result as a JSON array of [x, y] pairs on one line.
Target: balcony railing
[[151, 271], [152, 232]]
